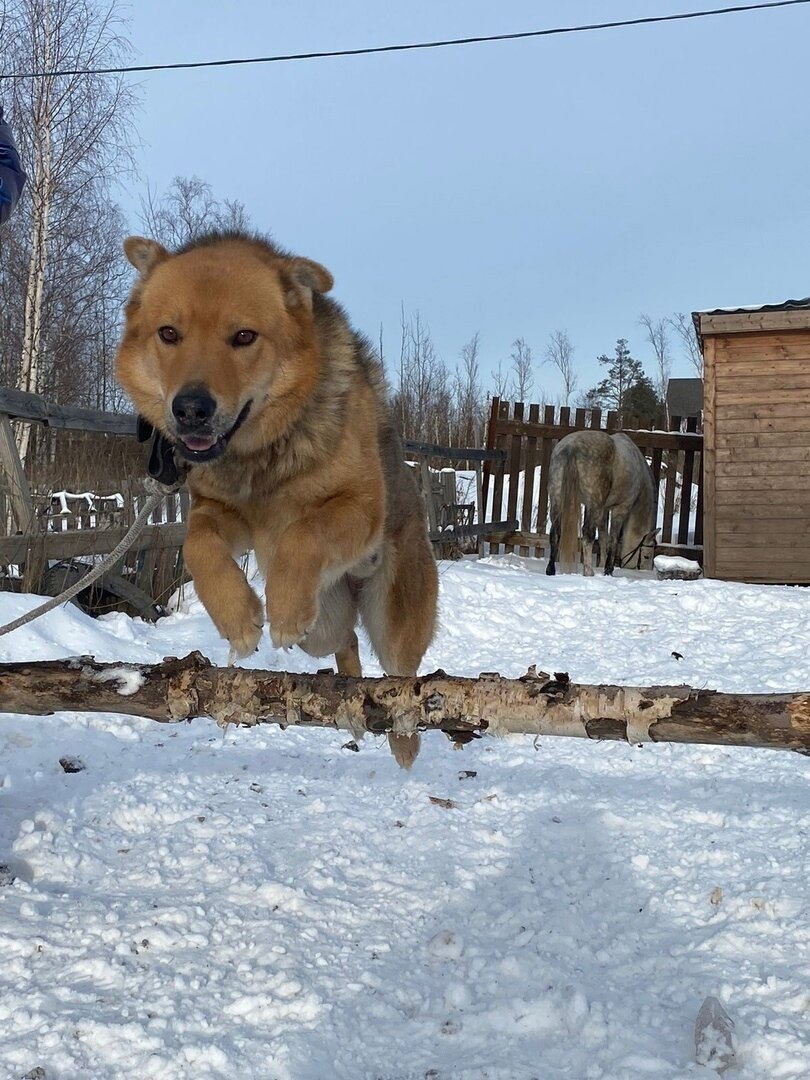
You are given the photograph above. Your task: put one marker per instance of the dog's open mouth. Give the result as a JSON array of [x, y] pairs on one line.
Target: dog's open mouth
[[202, 448]]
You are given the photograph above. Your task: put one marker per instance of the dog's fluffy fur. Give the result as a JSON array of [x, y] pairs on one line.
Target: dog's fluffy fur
[[300, 462]]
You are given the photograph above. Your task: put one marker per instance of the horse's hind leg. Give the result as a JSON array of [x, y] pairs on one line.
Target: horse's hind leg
[[588, 538], [614, 545], [553, 543]]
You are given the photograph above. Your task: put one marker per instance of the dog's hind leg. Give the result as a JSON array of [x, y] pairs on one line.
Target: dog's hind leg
[[333, 631], [398, 609], [348, 658]]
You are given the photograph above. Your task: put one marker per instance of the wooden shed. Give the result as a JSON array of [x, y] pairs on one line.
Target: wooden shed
[[756, 426]]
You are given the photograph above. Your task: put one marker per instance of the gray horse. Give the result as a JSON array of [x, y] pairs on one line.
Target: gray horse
[[610, 476]]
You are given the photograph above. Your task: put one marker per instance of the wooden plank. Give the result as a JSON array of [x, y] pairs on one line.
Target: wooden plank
[[768, 482], [612, 420], [686, 487], [800, 578], [759, 545], [686, 551], [19, 405], [755, 385], [579, 419], [775, 467], [792, 367], [699, 507], [709, 463], [747, 321], [527, 512], [783, 503], [497, 513], [492, 424], [762, 398], [76, 542], [765, 527], [745, 425], [763, 346], [450, 453], [427, 494], [766, 455], [596, 419], [518, 537], [667, 440], [738, 507], [775, 563], [546, 447], [774, 437], [515, 453], [565, 417], [665, 536], [768, 411], [16, 484]]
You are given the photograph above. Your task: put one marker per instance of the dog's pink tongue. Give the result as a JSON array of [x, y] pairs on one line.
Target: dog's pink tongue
[[199, 442]]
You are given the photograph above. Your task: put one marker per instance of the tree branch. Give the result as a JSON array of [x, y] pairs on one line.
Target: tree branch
[[464, 708]]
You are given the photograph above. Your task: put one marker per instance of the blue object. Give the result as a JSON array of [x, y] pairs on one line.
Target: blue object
[[12, 177]]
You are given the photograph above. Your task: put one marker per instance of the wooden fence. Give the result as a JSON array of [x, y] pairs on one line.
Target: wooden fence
[[517, 488], [53, 536]]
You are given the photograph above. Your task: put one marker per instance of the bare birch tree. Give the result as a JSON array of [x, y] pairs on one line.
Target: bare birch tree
[[521, 369], [560, 354], [657, 335], [74, 136], [684, 330], [189, 209], [469, 402]]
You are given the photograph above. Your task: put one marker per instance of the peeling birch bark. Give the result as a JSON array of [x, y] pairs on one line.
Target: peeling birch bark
[[464, 708]]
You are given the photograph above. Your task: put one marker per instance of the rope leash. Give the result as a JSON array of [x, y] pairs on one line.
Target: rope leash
[[158, 493]]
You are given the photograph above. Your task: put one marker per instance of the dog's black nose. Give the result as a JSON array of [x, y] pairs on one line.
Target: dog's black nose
[[193, 407]]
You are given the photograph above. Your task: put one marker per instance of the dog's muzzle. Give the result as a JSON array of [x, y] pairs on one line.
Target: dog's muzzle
[[194, 411]]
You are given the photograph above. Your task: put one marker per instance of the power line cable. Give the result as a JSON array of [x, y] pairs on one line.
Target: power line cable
[[412, 46]]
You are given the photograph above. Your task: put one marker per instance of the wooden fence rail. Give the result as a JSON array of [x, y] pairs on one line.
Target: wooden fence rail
[[517, 486], [80, 528]]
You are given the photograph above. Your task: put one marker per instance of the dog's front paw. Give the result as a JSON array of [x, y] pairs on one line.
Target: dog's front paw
[[242, 625], [292, 611]]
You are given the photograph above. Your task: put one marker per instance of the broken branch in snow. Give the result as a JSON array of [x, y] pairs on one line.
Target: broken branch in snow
[[464, 708]]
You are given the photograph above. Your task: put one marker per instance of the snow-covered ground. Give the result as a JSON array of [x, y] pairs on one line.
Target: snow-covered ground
[[267, 904]]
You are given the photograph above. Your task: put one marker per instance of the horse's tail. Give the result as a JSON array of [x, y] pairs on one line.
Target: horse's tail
[[569, 515]]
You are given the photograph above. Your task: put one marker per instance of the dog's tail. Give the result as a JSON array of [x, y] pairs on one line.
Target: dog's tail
[[569, 516], [405, 748]]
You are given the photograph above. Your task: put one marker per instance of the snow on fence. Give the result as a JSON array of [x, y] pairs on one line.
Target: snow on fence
[[517, 486]]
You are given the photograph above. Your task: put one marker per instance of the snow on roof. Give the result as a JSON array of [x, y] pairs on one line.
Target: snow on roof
[[785, 305]]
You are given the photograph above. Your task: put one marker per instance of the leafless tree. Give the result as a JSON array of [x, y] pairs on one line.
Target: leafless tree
[[189, 209], [500, 379], [684, 330], [521, 370], [423, 397], [657, 335], [74, 134], [560, 354], [469, 401]]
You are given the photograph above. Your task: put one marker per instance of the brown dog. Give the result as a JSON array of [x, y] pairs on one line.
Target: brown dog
[[232, 351]]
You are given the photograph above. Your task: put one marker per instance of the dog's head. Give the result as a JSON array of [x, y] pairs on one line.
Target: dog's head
[[217, 335]]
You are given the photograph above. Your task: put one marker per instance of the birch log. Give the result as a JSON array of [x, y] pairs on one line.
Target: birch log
[[464, 708]]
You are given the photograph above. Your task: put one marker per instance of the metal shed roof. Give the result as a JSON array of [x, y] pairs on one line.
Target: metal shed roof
[[786, 305]]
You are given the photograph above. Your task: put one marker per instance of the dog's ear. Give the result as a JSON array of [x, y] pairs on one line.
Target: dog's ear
[[144, 254], [306, 277]]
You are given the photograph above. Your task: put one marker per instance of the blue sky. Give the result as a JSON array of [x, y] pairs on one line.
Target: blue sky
[[512, 188]]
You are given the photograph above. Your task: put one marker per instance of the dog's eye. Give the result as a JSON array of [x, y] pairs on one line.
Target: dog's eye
[[169, 335], [243, 337]]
